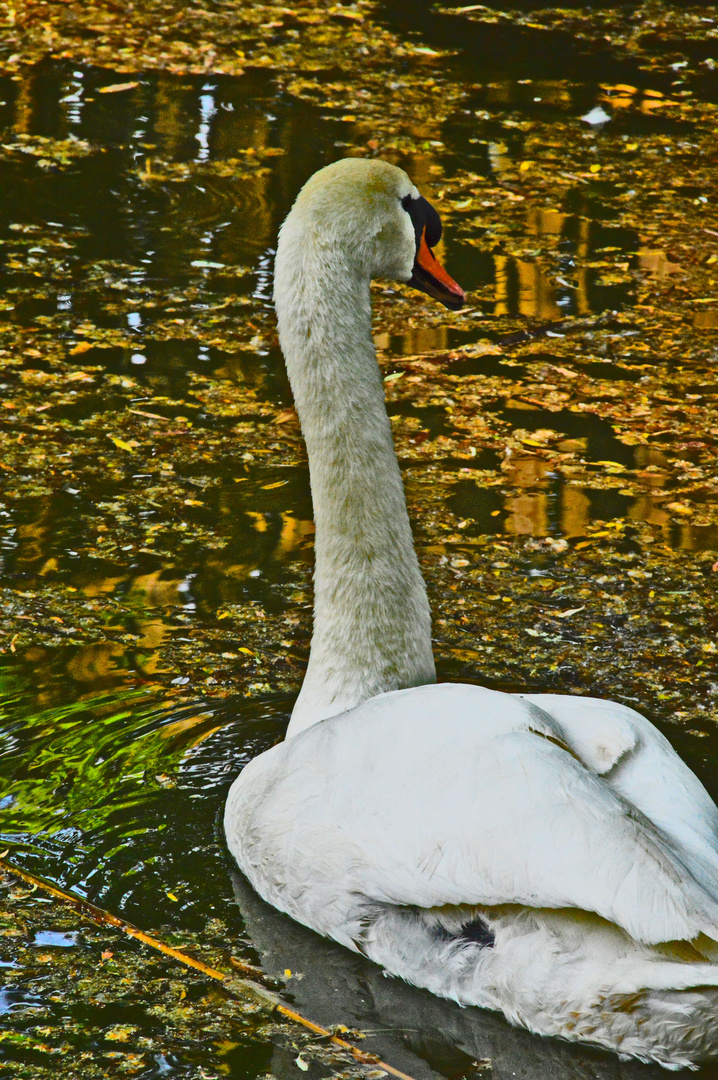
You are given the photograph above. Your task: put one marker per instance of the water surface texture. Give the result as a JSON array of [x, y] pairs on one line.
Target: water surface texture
[[557, 439]]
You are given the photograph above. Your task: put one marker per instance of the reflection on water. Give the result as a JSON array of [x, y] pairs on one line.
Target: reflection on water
[[57, 535], [115, 795], [141, 210], [522, 289]]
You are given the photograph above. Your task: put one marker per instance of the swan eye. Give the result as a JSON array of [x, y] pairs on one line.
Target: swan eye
[[423, 216]]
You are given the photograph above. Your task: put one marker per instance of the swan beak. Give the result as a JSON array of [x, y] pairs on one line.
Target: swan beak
[[430, 276]]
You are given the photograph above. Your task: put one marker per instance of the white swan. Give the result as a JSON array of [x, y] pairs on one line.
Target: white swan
[[547, 856]]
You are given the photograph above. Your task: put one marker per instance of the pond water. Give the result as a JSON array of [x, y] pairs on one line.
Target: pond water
[[155, 516]]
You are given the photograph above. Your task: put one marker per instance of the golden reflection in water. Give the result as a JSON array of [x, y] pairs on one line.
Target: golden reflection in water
[[650, 457], [686, 537], [24, 103], [172, 103], [32, 543], [295, 535], [581, 301], [176, 112], [421, 167], [242, 368], [526, 470], [527, 509], [646, 508], [527, 514], [543, 221], [499, 157], [158, 591], [619, 95], [152, 633], [181, 728], [102, 660], [102, 586], [575, 511], [415, 341], [522, 288], [95, 661]]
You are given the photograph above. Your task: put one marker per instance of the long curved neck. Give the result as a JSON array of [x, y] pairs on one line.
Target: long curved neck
[[372, 624]]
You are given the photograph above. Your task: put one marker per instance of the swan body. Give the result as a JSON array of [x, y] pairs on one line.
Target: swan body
[[547, 856]]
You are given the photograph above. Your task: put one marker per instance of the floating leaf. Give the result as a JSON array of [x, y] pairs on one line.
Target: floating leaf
[[121, 444], [568, 613], [117, 88]]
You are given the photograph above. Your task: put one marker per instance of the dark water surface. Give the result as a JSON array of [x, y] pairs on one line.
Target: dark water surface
[[109, 784]]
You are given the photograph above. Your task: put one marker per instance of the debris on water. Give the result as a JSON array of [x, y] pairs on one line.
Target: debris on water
[[596, 116]]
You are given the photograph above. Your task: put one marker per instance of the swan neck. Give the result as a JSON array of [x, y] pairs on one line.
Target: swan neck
[[372, 625]]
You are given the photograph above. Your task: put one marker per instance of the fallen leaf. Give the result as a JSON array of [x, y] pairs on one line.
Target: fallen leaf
[[116, 88], [121, 444]]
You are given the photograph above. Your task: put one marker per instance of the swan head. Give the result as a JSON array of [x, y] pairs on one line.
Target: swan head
[[371, 211]]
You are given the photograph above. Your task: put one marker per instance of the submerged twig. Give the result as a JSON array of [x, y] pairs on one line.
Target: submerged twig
[[239, 988]]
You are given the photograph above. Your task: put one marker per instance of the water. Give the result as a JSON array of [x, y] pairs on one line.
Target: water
[[100, 784], [158, 599]]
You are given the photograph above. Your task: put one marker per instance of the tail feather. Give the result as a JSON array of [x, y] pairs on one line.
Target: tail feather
[[561, 973], [675, 1028]]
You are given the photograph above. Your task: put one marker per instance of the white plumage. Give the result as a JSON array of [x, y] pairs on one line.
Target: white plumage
[[547, 856]]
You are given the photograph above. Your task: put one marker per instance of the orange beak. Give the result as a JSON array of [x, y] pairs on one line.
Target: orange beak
[[430, 276]]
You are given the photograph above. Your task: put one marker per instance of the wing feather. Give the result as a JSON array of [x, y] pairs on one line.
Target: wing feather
[[640, 764], [459, 795]]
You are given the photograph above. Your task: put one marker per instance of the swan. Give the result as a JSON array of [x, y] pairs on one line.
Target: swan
[[547, 856]]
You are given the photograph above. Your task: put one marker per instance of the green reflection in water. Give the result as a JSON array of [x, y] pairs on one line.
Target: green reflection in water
[[117, 795]]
